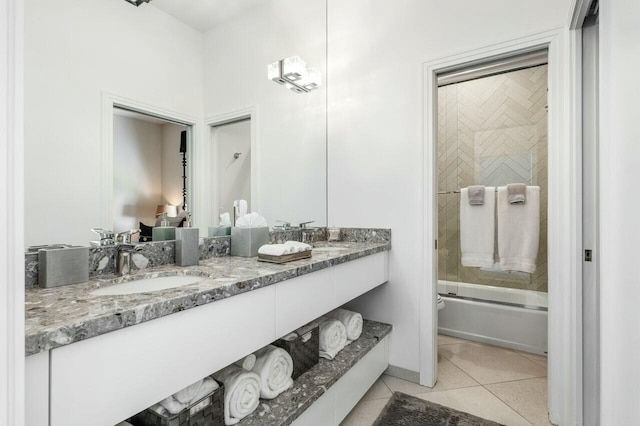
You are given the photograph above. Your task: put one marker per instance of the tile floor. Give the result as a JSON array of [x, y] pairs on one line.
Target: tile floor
[[504, 385]]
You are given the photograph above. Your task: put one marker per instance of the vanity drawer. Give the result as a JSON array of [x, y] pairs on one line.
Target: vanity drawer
[[304, 299], [359, 276], [106, 379]]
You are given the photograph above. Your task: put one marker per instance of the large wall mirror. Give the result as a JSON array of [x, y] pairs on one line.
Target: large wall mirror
[[110, 89]]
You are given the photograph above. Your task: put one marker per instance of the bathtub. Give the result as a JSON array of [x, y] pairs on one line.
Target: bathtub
[[512, 318]]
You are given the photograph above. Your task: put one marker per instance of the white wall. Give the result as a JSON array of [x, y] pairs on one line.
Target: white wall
[[172, 165], [232, 176], [619, 231], [376, 52], [137, 173], [73, 52], [291, 132]]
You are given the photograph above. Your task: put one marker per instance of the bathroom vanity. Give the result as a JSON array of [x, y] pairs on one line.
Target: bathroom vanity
[[98, 359]]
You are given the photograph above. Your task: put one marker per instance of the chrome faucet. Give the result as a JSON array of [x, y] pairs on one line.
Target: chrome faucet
[[106, 237], [125, 237], [285, 226], [125, 258], [307, 233]]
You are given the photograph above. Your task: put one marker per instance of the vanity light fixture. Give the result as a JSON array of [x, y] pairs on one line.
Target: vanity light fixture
[[137, 2], [293, 73]]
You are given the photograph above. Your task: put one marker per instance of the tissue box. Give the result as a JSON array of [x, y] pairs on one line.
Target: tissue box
[[219, 231], [245, 242], [62, 264]]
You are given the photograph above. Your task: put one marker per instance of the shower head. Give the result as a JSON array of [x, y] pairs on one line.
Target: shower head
[[137, 2]]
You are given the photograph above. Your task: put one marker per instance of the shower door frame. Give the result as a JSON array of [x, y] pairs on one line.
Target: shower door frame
[[564, 219]]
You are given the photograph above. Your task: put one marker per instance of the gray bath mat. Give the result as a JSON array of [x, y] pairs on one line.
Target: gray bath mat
[[406, 410]]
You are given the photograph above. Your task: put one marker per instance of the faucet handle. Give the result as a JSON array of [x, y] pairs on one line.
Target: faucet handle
[[285, 225], [303, 225], [106, 237]]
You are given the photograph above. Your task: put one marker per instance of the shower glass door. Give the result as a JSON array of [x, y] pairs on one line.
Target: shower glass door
[[492, 131]]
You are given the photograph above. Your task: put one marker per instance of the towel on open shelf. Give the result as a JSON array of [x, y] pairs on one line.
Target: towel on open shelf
[[241, 395], [333, 337], [352, 322], [275, 368]]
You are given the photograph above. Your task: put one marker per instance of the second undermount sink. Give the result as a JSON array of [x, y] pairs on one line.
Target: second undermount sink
[[329, 248], [146, 285]]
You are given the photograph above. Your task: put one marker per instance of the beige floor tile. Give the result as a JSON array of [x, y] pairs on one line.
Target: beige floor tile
[[365, 413], [451, 377], [490, 364], [448, 340], [527, 397], [378, 391], [477, 401], [538, 359]]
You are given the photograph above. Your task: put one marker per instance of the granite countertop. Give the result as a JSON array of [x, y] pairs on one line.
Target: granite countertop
[[63, 315], [310, 386]]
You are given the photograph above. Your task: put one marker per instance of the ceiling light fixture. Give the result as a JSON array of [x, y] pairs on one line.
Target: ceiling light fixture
[[293, 73], [137, 2]]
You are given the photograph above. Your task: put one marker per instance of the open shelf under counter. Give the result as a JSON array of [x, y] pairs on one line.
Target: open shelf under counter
[[326, 393]]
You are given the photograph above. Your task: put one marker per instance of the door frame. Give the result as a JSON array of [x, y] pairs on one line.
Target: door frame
[[211, 182], [12, 357], [565, 217], [110, 101]]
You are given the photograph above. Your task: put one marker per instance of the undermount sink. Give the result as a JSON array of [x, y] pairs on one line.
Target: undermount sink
[[329, 248], [146, 285]]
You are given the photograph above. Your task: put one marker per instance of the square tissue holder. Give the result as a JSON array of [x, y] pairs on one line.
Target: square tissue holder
[[62, 264], [245, 242]]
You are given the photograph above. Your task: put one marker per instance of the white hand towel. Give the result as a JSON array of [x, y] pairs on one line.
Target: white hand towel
[[274, 249], [477, 229], [352, 322], [333, 337], [518, 231], [297, 246], [241, 394], [124, 424], [275, 367], [247, 362], [172, 405], [186, 395]]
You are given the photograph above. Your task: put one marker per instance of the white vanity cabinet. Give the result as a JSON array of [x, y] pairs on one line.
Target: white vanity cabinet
[[108, 378]]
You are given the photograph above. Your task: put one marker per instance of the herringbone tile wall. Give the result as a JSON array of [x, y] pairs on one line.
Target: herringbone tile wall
[[491, 131]]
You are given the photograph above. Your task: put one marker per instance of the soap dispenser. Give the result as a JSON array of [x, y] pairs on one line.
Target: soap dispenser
[[163, 232], [187, 244]]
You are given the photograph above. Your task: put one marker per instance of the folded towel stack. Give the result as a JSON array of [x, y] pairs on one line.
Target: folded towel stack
[[182, 399], [297, 246], [333, 337], [352, 322], [289, 247], [242, 393], [275, 368]]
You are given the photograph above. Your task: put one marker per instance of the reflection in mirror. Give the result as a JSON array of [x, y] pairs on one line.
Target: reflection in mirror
[[230, 167], [149, 171], [201, 65]]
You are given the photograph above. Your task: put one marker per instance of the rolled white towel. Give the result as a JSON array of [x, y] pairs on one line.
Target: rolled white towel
[[275, 367], [172, 405], [159, 409], [298, 246], [274, 249], [186, 395], [352, 321], [247, 362], [333, 337], [241, 395], [124, 424]]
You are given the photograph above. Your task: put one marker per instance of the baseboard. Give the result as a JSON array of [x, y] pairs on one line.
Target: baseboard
[[403, 373]]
